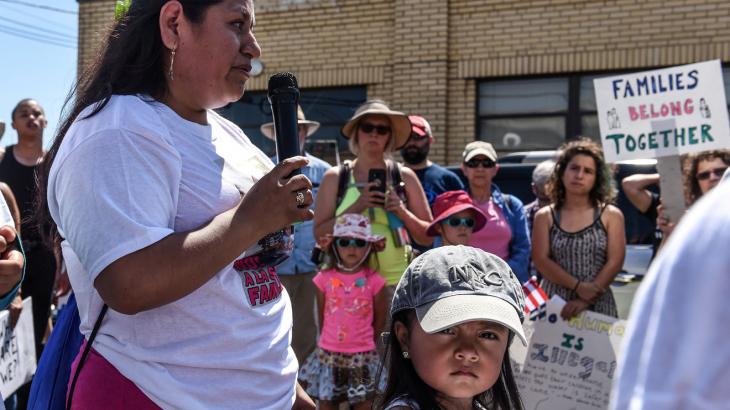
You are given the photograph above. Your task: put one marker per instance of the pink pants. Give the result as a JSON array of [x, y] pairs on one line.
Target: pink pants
[[101, 386]]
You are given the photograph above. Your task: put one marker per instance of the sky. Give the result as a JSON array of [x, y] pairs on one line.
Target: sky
[[38, 53]]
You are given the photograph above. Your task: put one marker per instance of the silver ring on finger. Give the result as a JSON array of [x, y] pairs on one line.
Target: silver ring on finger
[[300, 198]]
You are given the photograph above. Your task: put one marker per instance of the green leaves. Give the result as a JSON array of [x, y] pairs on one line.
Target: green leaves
[[121, 8]]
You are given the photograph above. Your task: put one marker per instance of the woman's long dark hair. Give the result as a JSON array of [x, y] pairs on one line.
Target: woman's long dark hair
[[132, 61], [403, 379]]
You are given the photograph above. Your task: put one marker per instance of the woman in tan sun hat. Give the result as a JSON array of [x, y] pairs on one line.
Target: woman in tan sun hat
[[398, 209]]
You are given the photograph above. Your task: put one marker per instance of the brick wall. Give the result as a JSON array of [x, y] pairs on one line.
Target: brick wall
[[95, 16], [426, 56]]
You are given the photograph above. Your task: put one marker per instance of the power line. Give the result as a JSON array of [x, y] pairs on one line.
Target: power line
[[40, 29], [35, 17], [37, 35], [34, 37], [39, 6]]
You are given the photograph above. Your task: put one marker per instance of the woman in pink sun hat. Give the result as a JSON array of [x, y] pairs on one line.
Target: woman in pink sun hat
[[455, 218], [352, 307]]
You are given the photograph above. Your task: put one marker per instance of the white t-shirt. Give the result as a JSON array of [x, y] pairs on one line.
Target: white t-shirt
[[676, 353], [125, 179]]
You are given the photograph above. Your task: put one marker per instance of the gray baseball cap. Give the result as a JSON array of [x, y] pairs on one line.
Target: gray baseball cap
[[451, 285]]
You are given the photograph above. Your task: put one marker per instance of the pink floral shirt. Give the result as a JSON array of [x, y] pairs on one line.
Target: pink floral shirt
[[348, 309]]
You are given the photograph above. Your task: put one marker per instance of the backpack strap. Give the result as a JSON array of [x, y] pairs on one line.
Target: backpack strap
[[343, 181], [394, 169], [97, 325]]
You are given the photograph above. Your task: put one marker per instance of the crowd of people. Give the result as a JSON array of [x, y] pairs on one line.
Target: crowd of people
[[206, 276]]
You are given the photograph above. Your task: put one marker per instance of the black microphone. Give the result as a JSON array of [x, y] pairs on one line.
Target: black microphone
[[284, 100]]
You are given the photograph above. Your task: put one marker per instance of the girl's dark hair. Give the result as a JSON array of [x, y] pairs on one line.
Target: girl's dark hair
[[603, 191], [403, 379], [691, 185], [132, 61]]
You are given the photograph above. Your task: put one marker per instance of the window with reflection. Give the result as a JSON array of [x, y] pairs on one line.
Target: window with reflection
[[527, 114]]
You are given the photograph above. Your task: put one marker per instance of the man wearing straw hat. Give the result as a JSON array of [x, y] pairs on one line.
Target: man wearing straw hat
[[296, 273]]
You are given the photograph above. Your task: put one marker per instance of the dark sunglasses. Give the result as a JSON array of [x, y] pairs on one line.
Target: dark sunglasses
[[345, 242], [485, 163], [455, 222], [718, 172], [367, 128]]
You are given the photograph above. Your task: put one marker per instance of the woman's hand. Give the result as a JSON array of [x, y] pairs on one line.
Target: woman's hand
[[324, 242], [302, 400], [11, 262], [393, 203], [663, 222], [15, 308], [573, 308], [589, 291], [369, 198], [272, 201]]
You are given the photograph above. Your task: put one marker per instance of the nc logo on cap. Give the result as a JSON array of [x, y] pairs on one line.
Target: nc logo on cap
[[473, 277]]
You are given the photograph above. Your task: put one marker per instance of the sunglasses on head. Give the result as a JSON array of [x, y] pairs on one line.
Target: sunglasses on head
[[456, 222], [718, 172], [346, 242], [367, 128], [485, 163]]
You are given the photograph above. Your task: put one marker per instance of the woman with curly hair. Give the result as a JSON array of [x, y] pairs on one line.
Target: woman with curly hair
[[578, 241], [704, 171]]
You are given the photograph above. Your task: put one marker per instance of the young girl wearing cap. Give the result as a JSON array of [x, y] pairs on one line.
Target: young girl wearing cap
[[456, 218], [454, 314], [352, 307]]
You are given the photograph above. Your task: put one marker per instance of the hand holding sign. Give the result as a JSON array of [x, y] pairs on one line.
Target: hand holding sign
[[11, 260]]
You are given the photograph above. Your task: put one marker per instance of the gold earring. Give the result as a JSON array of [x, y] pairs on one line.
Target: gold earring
[[406, 355], [172, 61]]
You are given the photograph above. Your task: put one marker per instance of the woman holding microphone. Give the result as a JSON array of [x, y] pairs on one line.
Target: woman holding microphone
[[171, 218]]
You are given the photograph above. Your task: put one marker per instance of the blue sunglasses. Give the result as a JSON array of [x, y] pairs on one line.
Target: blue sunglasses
[[456, 222]]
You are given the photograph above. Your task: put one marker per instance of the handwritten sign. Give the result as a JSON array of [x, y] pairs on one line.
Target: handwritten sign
[[658, 113], [17, 352], [570, 364]]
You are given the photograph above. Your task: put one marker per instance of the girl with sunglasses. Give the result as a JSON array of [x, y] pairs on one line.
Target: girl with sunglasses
[[456, 218], [351, 305]]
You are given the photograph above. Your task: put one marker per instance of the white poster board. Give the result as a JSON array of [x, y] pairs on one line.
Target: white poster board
[[17, 352], [569, 364], [665, 112]]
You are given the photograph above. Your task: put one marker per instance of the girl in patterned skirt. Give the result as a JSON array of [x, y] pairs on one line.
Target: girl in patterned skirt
[[352, 309]]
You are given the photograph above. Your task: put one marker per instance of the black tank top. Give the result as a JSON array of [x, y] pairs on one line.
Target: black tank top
[[21, 179]]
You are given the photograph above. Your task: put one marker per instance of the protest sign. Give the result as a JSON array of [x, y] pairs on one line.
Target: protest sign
[[665, 112], [570, 364], [17, 354]]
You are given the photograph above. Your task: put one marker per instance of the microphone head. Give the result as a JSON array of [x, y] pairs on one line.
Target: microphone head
[[282, 81]]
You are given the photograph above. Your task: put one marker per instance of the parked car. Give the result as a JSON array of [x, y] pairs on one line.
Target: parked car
[[515, 178]]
